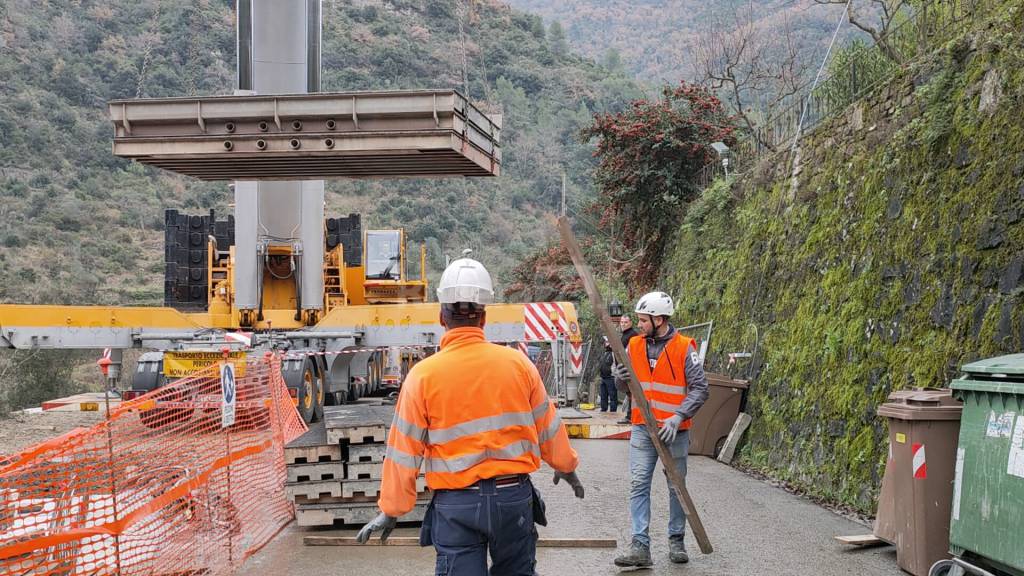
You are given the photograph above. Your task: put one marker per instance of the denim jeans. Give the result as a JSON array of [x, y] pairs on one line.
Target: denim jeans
[[468, 523], [642, 460]]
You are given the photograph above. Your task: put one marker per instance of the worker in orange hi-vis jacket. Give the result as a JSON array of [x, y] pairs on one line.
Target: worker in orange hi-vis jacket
[[477, 418]]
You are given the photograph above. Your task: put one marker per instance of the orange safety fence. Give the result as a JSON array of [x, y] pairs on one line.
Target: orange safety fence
[[159, 487]]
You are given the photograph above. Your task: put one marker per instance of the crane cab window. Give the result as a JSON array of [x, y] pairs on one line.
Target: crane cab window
[[383, 255]]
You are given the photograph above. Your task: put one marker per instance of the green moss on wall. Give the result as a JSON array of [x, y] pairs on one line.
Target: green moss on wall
[[895, 259]]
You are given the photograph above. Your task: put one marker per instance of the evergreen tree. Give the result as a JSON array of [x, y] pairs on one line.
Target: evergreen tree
[[556, 40]]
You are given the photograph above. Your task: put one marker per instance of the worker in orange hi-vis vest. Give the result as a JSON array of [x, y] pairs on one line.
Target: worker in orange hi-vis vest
[[671, 375], [477, 418]]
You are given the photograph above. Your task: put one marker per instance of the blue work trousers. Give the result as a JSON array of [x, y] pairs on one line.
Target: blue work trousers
[[466, 524], [642, 460]]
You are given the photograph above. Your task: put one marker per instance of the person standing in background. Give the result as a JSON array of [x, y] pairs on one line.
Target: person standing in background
[[609, 393], [628, 331]]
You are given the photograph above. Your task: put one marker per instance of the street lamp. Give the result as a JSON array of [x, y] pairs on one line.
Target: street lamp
[[724, 153]]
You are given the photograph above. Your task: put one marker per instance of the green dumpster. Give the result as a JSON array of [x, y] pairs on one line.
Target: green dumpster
[[987, 524]]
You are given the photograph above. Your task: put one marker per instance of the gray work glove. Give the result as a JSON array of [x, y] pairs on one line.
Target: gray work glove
[[669, 429], [573, 480], [620, 372], [381, 522]]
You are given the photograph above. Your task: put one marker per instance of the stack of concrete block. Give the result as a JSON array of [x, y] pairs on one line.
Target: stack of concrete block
[[334, 469]]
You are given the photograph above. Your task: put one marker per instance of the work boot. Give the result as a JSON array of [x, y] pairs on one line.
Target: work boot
[[639, 556], [677, 550]]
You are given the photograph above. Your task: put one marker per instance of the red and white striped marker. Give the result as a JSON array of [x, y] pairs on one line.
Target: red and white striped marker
[[104, 362], [576, 356], [243, 338], [543, 321], [920, 466]]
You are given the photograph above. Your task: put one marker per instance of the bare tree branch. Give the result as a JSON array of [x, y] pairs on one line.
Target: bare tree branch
[[876, 23], [755, 70]]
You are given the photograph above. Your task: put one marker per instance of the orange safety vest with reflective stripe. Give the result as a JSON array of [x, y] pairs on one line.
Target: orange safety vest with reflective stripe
[[664, 386], [472, 411]]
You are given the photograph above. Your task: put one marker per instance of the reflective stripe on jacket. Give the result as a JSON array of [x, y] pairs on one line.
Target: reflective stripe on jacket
[[665, 385], [472, 411]]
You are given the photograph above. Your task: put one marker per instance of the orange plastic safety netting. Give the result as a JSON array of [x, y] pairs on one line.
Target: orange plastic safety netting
[[160, 487]]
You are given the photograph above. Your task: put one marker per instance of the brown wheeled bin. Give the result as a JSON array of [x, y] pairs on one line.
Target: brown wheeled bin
[[917, 488], [713, 422]]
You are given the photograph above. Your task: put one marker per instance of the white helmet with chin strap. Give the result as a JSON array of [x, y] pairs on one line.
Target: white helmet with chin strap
[[465, 280], [655, 304]]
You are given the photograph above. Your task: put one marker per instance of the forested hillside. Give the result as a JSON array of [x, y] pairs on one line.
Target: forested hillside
[[657, 39], [81, 226]]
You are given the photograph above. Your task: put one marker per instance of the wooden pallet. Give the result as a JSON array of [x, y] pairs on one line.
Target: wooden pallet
[[363, 470], [360, 453], [339, 490], [317, 472], [314, 490], [357, 424], [358, 415], [312, 447], [313, 454], [303, 501], [350, 513], [357, 434]]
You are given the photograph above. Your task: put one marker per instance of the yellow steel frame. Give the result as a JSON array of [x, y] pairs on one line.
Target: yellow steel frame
[[427, 313]]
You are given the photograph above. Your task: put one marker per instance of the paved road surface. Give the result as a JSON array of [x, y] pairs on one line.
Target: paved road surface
[[755, 528]]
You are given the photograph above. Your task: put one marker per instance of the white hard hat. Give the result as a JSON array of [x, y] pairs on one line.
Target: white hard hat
[[465, 280], [655, 304]]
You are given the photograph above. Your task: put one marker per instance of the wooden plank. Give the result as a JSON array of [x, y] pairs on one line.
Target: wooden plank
[[861, 540], [577, 543], [738, 428], [415, 541], [597, 305]]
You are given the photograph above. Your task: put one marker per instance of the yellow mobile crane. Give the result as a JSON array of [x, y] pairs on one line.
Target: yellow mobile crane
[[278, 274]]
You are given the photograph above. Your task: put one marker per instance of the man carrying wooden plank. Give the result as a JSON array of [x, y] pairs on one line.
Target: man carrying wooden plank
[[673, 382], [477, 417]]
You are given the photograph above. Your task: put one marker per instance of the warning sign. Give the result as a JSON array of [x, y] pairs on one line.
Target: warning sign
[[228, 393], [182, 364]]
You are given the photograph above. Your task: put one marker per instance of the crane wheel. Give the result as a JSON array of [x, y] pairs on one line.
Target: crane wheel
[[309, 386], [321, 392]]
